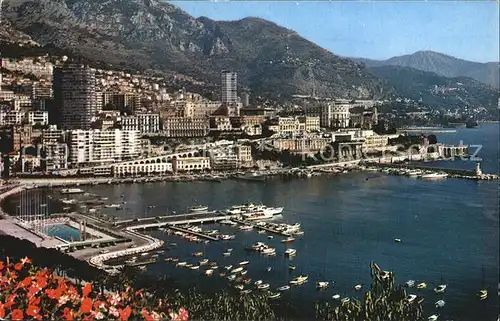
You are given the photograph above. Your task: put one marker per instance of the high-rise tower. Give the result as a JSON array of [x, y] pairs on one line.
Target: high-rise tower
[[75, 96], [229, 87]]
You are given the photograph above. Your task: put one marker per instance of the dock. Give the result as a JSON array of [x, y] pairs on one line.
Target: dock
[[141, 263], [209, 237], [162, 218], [267, 229]]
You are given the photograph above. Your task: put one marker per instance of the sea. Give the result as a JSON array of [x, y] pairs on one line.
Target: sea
[[449, 231]]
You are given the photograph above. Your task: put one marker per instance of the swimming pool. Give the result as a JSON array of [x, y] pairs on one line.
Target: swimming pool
[[64, 231]]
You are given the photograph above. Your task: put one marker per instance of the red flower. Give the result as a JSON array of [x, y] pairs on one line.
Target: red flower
[[24, 283], [17, 315], [86, 305], [10, 301], [33, 290], [1, 265], [33, 311], [87, 289], [34, 301], [68, 314], [145, 314], [125, 313], [41, 282], [25, 260], [183, 315], [2, 311], [18, 267]]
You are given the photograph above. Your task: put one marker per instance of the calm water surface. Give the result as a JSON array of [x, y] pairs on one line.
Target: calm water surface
[[449, 230]]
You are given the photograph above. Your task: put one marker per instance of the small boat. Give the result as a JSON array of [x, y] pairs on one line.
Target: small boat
[[290, 252], [263, 286], [291, 267], [269, 269], [322, 285], [222, 275], [237, 270], [198, 209], [244, 272], [288, 240], [195, 267], [229, 250], [258, 282], [247, 291], [269, 251], [226, 253], [410, 283], [410, 298], [244, 262], [345, 300], [198, 254], [270, 237], [440, 303], [298, 233], [274, 295], [358, 287], [440, 288], [422, 285], [284, 288], [181, 264], [261, 232], [397, 240], [239, 286], [231, 277], [433, 317], [228, 267], [246, 227], [483, 294], [209, 272], [336, 297], [434, 176]]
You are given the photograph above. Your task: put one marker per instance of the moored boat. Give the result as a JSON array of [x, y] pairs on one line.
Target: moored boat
[[290, 252], [422, 285], [198, 209], [440, 288], [284, 288], [322, 285]]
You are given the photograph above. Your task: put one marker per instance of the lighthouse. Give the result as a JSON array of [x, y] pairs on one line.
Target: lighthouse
[[478, 169]]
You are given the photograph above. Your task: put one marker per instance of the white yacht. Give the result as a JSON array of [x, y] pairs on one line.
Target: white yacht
[[336, 297], [413, 173], [422, 285], [440, 303], [198, 209], [246, 227], [290, 252], [72, 191], [433, 317], [440, 288], [263, 286], [410, 283], [410, 298], [434, 176], [254, 216], [283, 288], [322, 285]]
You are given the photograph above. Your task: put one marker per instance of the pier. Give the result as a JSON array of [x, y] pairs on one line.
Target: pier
[[183, 230], [162, 218], [141, 263]]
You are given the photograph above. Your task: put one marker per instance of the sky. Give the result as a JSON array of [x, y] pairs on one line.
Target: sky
[[375, 30]]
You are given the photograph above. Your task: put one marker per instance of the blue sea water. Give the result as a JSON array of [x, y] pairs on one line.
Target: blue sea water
[[449, 230]]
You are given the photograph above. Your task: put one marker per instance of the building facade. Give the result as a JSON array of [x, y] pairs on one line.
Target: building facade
[[76, 96], [229, 87], [190, 164], [145, 123], [186, 126]]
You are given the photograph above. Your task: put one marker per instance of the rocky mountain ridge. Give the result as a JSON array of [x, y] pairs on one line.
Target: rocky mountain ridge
[[151, 35]]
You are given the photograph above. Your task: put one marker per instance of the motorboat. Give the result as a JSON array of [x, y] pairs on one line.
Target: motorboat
[[274, 295], [263, 286], [209, 272], [433, 317], [434, 176], [410, 298], [290, 252], [283, 288], [257, 216], [246, 227], [410, 283], [291, 267], [239, 286], [269, 251], [440, 288], [244, 272], [112, 206], [198, 254], [231, 277], [483, 294], [195, 267], [336, 297], [422, 285], [204, 261], [358, 287], [270, 237], [440, 303], [237, 270], [288, 240], [269, 269], [244, 262], [72, 191], [226, 253], [259, 246], [274, 210], [397, 240], [181, 264], [228, 267], [258, 282], [413, 173], [298, 233], [226, 237], [299, 280], [247, 291], [198, 209], [345, 300], [322, 285]]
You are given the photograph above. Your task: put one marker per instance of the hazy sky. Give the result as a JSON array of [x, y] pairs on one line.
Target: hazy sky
[[377, 30]]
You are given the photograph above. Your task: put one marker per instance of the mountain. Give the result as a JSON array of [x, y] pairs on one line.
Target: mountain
[[443, 65], [435, 90], [149, 35]]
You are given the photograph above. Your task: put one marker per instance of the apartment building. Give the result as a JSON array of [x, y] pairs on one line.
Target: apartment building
[[54, 149], [145, 123], [89, 147], [38, 117], [186, 126]]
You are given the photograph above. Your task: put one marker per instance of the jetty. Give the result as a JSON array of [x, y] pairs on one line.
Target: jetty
[[198, 234], [267, 229]]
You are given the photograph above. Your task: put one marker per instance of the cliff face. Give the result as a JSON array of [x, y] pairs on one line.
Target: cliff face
[[151, 35]]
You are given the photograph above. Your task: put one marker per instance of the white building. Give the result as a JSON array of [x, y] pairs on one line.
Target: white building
[[335, 115], [38, 117], [145, 123], [96, 146], [9, 117]]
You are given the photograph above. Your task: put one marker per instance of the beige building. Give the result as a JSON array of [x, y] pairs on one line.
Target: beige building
[[311, 124], [244, 154], [190, 164], [286, 125], [186, 126], [375, 141], [301, 145]]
